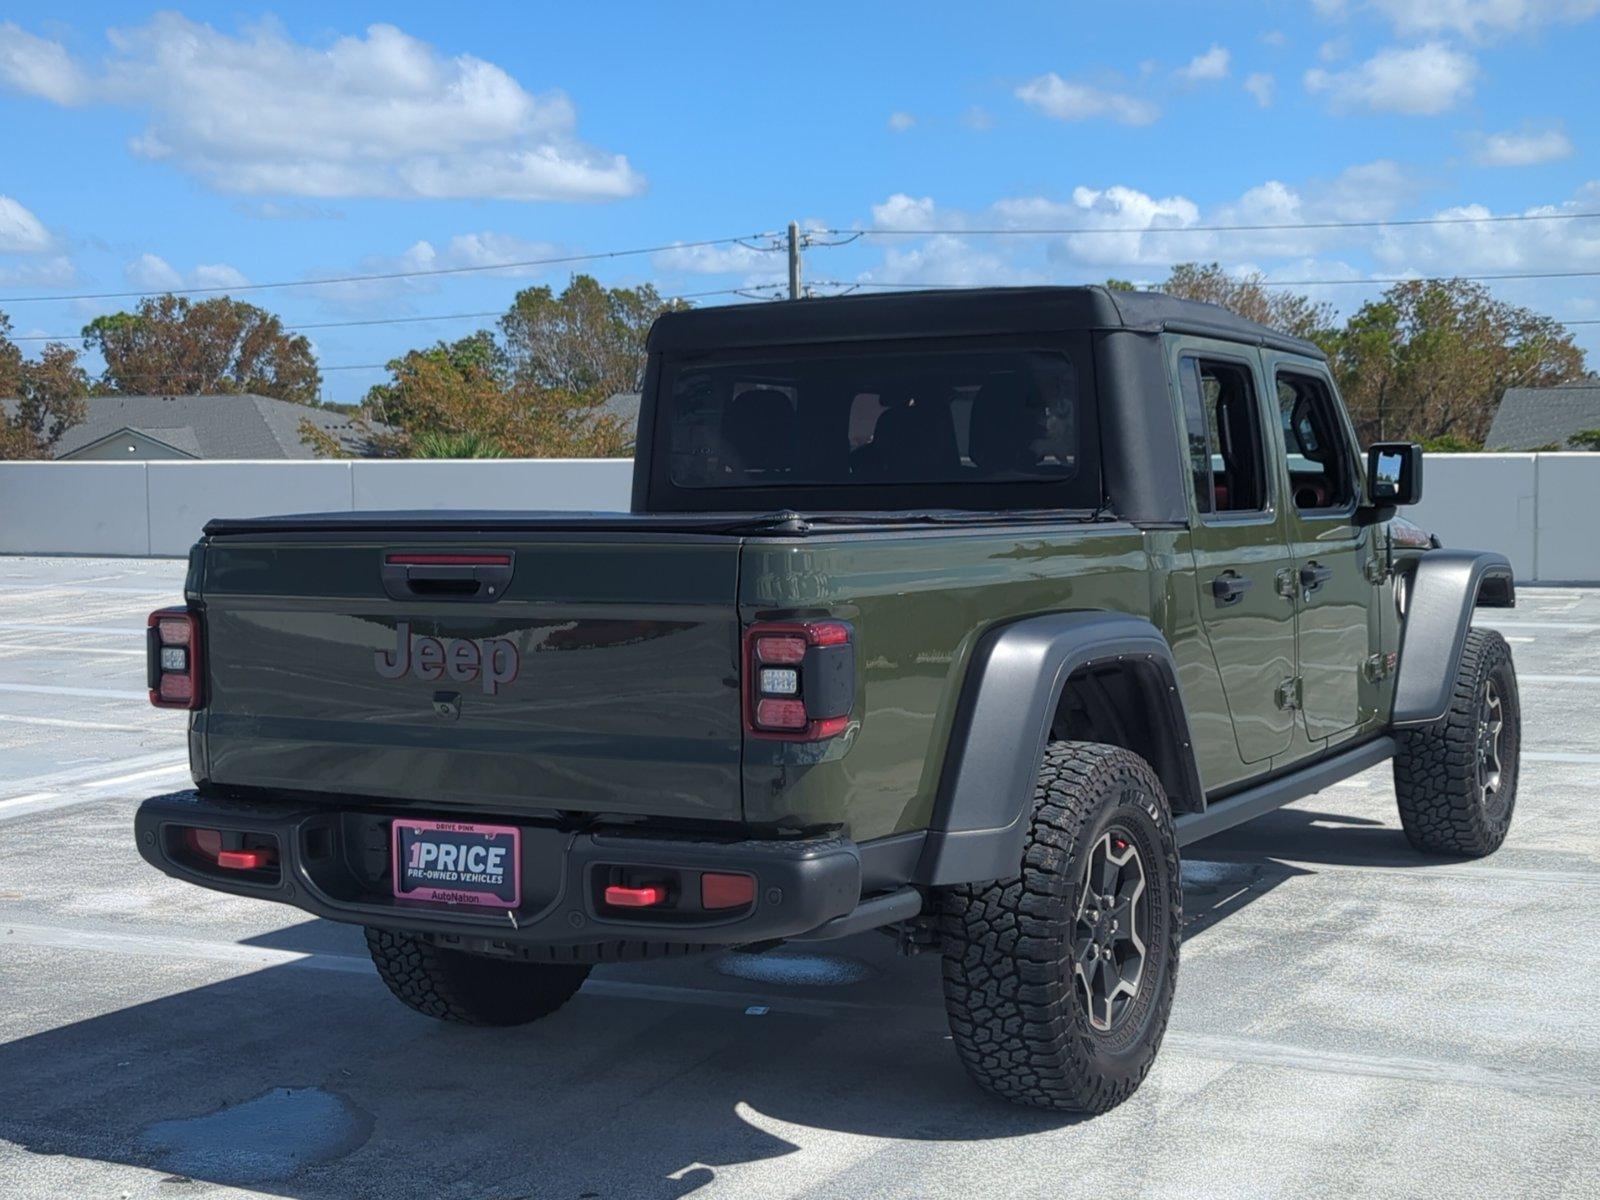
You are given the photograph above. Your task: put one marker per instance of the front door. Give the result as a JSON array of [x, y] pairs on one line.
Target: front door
[[1331, 552], [1242, 563]]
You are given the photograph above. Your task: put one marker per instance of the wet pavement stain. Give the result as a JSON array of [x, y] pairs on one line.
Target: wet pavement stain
[[794, 970], [268, 1137]]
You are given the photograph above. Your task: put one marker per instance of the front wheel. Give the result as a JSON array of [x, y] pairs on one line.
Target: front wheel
[[1058, 982], [1456, 780]]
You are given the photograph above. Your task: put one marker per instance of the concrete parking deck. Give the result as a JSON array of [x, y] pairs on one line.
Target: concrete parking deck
[[1352, 1019]]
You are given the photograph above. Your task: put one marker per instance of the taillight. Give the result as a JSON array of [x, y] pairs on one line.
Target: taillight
[[173, 646], [799, 679]]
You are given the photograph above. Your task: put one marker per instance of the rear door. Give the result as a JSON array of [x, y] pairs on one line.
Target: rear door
[[1331, 553], [1242, 561], [601, 675]]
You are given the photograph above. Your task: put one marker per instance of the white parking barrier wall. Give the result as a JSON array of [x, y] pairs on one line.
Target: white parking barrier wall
[[159, 508], [1537, 509]]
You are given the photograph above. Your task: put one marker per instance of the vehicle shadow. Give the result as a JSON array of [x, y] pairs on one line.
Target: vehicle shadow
[[309, 1081]]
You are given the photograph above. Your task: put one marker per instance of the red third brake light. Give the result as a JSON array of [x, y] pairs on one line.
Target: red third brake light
[[799, 679], [173, 650]]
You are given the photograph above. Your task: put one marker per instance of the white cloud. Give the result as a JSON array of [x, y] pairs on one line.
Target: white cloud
[[1261, 86], [1206, 68], [20, 231], [720, 260], [899, 122], [1124, 231], [1334, 49], [947, 259], [1064, 100], [901, 211], [152, 273], [383, 114], [39, 67], [1275, 38], [53, 272], [1497, 246], [978, 119], [485, 249], [1422, 80], [1481, 19], [208, 275], [1526, 149]]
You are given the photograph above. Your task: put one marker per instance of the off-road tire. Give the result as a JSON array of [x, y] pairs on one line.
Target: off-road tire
[[1017, 1015], [471, 989], [1444, 806]]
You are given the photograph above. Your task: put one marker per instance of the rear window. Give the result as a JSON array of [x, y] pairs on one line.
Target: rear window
[[872, 428]]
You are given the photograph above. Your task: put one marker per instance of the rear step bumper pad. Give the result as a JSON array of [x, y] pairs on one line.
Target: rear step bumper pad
[[801, 885]]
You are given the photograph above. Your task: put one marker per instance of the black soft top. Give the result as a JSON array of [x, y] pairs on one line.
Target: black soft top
[[956, 312]]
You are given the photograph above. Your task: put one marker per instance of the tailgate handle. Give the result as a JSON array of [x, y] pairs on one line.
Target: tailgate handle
[[481, 578]]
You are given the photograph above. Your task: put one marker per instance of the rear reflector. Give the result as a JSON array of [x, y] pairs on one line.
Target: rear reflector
[[719, 890], [635, 897], [244, 860]]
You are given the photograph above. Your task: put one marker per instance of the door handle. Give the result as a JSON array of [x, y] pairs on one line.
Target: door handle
[[1312, 576], [1229, 588]]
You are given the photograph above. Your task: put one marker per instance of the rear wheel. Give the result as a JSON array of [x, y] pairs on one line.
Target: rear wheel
[[1058, 982], [471, 989], [1456, 780]]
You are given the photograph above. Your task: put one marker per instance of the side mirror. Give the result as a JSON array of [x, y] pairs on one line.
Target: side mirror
[[1394, 474]]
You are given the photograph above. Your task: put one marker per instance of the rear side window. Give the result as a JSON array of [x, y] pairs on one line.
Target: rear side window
[[1322, 470], [1227, 454], [871, 427]]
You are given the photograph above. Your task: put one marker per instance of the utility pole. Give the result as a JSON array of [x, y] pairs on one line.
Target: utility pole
[[794, 260]]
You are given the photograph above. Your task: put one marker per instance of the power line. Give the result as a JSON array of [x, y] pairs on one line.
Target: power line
[[742, 239], [1508, 275], [1264, 227]]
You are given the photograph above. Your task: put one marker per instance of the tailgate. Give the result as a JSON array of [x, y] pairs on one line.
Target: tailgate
[[601, 675]]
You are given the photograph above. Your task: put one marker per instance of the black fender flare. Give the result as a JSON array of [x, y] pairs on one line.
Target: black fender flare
[[1442, 589], [1008, 700]]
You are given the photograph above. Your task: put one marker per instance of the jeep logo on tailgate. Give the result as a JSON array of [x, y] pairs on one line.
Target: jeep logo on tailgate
[[493, 660]]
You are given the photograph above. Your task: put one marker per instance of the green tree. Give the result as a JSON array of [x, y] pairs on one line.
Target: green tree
[[1431, 359], [1253, 298], [49, 392], [171, 345], [587, 344], [533, 392], [1585, 439]]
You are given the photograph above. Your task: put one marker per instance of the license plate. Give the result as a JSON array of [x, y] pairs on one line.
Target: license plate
[[451, 862]]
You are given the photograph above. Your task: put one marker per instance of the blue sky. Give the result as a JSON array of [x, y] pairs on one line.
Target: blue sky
[[207, 146]]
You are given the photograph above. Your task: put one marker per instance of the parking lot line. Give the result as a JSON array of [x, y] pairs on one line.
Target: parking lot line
[[42, 689], [34, 627], [68, 723], [57, 649], [86, 775], [1519, 626]]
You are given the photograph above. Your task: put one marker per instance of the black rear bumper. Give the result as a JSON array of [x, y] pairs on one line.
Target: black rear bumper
[[334, 864]]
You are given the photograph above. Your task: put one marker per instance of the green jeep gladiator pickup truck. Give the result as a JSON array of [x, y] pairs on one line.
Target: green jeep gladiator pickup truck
[[951, 614]]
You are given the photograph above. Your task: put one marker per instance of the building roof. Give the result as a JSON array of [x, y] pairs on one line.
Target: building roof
[[1533, 418], [236, 426], [953, 312]]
